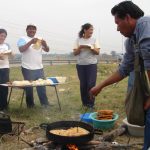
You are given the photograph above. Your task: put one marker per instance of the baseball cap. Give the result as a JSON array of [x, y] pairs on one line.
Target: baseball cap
[[31, 25]]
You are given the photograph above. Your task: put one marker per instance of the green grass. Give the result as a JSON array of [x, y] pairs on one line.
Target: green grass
[[111, 97]]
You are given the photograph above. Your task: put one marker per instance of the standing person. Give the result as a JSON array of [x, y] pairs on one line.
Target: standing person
[[86, 48], [32, 68], [131, 23], [4, 69]]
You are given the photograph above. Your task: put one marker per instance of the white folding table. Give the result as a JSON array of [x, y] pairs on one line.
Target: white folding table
[[23, 93]]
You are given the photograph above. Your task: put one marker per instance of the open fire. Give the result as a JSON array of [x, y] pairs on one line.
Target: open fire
[[72, 147], [98, 143]]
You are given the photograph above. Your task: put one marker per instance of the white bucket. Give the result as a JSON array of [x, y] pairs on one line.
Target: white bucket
[[134, 130]]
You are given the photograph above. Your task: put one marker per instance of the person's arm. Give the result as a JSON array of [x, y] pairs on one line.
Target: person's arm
[[45, 47], [25, 47], [95, 48], [147, 104], [124, 69], [76, 51], [148, 73], [115, 77], [144, 42], [12, 53], [6, 52], [1, 56], [77, 48]]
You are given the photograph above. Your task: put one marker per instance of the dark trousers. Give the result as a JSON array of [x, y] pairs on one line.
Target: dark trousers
[[147, 131], [4, 77], [87, 75], [41, 90]]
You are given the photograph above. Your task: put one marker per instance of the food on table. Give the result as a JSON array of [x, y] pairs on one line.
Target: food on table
[[73, 131], [47, 81], [105, 114], [38, 82], [41, 82], [21, 83], [5, 52]]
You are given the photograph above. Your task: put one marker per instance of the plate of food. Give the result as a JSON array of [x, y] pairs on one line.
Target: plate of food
[[6, 52], [87, 45], [37, 45]]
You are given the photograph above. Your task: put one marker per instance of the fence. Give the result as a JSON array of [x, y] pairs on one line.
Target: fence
[[64, 61]]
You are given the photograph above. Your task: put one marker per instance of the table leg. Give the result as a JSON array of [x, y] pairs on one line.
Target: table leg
[[9, 95], [22, 98], [57, 97]]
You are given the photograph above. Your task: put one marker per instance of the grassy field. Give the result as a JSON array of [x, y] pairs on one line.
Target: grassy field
[[111, 97]]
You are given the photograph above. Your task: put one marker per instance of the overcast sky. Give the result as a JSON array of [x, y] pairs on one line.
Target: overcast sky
[[59, 21]]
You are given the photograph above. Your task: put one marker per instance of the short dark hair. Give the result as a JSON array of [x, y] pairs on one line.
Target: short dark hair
[[127, 7], [3, 31], [86, 26]]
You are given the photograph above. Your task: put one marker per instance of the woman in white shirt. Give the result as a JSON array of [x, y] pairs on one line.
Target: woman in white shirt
[[4, 69], [86, 48]]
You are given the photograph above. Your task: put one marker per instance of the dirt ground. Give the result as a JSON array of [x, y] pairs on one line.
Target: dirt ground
[[9, 142]]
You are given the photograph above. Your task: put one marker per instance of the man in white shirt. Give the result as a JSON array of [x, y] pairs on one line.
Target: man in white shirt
[[32, 68]]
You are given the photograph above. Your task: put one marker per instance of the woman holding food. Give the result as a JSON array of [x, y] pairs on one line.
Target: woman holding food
[[86, 48], [4, 68]]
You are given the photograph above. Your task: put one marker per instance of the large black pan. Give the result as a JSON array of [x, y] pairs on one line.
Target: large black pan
[[69, 139]]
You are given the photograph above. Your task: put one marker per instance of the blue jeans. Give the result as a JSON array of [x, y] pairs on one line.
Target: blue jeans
[[147, 131], [41, 90], [4, 77], [87, 75]]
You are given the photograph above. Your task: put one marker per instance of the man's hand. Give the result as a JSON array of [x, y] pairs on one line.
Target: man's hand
[[147, 104], [95, 90], [27, 45], [1, 56], [34, 40], [44, 46]]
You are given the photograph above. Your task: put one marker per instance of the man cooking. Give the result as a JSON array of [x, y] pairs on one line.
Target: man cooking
[[132, 24]]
